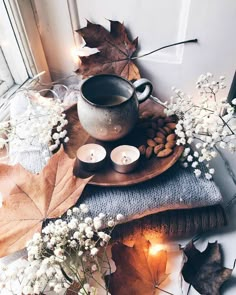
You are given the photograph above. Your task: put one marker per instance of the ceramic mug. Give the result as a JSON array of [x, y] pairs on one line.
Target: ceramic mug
[[108, 105]]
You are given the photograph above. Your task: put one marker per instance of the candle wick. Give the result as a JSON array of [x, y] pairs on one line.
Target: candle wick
[[125, 159], [91, 156]]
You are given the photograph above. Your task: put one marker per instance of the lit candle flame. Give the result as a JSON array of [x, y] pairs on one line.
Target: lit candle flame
[[154, 249]]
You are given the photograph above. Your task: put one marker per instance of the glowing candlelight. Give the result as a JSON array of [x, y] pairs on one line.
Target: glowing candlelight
[[154, 249], [75, 56]]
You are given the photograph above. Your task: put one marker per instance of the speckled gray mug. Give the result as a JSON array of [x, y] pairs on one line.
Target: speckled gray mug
[[108, 105]]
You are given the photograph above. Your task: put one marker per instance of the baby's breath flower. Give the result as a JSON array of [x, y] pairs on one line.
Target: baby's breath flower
[[101, 215], [94, 267], [190, 158], [119, 217], [94, 251], [111, 223], [84, 208], [195, 164], [88, 220], [208, 176], [198, 145], [197, 172], [211, 170], [74, 242], [69, 212]]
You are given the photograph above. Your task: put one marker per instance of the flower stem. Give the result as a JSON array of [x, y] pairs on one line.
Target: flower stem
[[231, 202], [227, 165], [163, 47], [226, 124]]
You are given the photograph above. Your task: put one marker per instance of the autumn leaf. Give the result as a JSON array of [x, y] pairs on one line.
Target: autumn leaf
[[204, 270], [29, 199], [73, 289], [137, 271], [115, 51]]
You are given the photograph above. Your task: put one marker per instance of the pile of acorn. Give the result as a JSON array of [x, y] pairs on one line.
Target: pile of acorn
[[160, 135]]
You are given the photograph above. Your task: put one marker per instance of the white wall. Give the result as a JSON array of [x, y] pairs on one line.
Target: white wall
[[156, 22]]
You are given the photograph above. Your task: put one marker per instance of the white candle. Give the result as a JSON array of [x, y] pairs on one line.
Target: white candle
[[91, 156], [125, 158]]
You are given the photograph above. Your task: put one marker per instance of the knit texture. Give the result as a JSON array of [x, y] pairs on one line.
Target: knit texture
[[177, 188]]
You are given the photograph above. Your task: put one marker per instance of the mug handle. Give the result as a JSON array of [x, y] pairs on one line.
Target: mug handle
[[142, 96]]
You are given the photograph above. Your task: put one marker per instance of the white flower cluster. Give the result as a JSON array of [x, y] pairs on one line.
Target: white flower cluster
[[42, 123], [205, 122], [67, 251]]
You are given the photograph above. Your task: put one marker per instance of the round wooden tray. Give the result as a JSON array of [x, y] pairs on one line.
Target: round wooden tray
[[107, 176]]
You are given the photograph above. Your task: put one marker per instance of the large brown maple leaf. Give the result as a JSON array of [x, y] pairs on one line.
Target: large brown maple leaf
[[204, 270], [137, 272], [29, 199], [115, 53]]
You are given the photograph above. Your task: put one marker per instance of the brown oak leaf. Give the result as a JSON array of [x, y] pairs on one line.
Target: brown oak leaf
[[204, 270], [29, 199], [137, 271], [115, 51]]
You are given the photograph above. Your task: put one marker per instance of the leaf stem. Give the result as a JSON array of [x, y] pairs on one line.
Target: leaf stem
[[163, 47], [189, 287], [156, 287]]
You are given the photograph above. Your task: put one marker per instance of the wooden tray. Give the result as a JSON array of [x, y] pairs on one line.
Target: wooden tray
[[107, 176]]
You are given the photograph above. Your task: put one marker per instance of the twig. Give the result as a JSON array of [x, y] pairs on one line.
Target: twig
[[163, 47], [189, 287], [156, 287], [230, 203], [226, 124], [227, 165]]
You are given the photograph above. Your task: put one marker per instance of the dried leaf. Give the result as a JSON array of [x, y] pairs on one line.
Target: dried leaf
[[204, 270], [29, 199], [115, 51], [137, 271], [73, 289]]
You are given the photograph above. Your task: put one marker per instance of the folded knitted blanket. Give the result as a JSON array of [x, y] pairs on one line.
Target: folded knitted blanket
[[177, 188]]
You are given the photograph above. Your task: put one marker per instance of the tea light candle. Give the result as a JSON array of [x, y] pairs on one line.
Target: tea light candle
[[125, 158], [91, 156]]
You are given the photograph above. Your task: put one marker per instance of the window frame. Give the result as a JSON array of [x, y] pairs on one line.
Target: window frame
[[22, 19]]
